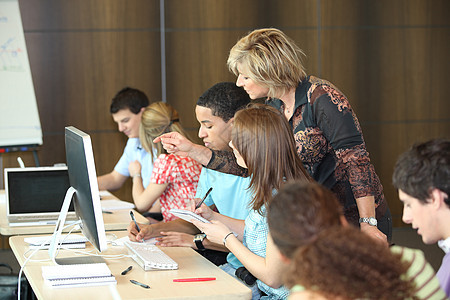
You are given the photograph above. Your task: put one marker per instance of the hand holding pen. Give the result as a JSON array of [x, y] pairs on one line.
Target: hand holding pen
[[206, 195], [136, 224]]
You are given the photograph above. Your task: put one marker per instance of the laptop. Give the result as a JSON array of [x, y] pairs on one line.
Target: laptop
[[34, 196]]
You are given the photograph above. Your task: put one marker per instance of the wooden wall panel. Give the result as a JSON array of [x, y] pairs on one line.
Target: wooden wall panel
[[89, 15], [200, 64], [391, 65], [233, 14], [91, 74], [384, 13]]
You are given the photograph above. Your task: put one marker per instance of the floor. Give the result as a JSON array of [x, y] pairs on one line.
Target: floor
[[401, 236]]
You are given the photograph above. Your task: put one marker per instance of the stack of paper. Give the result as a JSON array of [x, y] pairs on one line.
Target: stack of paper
[[60, 276]]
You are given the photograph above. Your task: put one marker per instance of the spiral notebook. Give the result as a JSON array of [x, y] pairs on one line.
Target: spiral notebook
[[62, 276]]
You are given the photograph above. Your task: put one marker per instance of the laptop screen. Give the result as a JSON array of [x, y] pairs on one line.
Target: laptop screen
[[36, 190]]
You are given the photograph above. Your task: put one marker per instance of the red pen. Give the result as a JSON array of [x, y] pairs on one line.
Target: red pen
[[194, 279]]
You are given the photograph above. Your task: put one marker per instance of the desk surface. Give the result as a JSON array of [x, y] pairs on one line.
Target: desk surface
[[118, 220], [190, 263]]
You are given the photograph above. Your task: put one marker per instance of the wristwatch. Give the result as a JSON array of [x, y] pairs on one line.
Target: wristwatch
[[371, 221], [198, 240]]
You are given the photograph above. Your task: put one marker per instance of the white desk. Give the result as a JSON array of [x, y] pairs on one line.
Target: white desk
[[118, 220], [191, 264]]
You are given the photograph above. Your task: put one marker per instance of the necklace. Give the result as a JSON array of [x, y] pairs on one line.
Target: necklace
[[288, 109]]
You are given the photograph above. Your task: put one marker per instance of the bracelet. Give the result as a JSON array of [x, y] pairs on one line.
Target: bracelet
[[136, 175], [225, 238]]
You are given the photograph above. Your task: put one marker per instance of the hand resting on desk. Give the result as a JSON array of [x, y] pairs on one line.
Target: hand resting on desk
[[175, 239]]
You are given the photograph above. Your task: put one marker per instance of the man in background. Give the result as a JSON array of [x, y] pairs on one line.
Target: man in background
[[422, 177], [126, 110]]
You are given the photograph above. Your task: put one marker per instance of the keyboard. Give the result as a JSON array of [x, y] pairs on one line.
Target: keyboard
[[150, 257], [73, 241]]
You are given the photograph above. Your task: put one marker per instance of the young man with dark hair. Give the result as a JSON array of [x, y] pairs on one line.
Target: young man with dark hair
[[215, 110], [126, 109], [422, 177]]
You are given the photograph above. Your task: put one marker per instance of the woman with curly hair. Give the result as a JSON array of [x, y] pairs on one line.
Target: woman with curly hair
[[330, 260], [344, 263]]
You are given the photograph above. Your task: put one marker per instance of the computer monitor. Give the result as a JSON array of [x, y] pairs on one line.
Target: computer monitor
[[84, 193]]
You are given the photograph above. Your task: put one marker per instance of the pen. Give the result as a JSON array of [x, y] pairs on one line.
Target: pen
[[134, 220], [194, 279], [200, 203], [139, 284], [127, 270]]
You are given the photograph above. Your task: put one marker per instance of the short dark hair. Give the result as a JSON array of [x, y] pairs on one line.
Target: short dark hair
[[224, 99], [130, 98], [425, 166]]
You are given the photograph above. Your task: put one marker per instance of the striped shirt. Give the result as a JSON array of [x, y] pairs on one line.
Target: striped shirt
[[427, 284]]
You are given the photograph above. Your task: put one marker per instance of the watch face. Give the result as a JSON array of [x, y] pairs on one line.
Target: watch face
[[373, 221], [199, 237]]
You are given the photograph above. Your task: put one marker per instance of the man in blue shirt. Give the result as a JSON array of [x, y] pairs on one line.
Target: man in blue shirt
[[126, 109], [230, 195]]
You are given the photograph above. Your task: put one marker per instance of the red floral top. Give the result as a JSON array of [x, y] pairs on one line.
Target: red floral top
[[182, 174]]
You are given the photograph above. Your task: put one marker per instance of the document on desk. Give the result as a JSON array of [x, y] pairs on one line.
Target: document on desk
[[62, 276], [188, 215], [115, 204]]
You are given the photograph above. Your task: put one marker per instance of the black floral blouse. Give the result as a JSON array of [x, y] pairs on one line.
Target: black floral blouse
[[330, 143]]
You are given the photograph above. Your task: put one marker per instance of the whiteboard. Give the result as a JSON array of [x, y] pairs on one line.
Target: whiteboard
[[19, 117]]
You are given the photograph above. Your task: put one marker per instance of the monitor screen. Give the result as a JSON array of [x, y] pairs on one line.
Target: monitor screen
[[84, 194], [83, 178]]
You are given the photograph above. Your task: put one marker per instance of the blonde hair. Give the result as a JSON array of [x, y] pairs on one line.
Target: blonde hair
[[272, 59], [158, 118]]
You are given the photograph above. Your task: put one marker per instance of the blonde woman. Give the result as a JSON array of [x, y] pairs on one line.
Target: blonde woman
[[329, 140], [174, 179]]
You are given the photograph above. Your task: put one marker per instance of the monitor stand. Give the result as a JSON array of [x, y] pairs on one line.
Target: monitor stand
[[53, 248]]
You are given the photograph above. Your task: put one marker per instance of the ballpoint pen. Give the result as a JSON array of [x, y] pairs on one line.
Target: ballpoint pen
[[134, 220], [206, 195], [135, 223], [124, 272], [139, 284]]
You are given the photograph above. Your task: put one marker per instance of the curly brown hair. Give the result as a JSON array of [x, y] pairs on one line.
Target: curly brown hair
[[299, 212], [344, 262]]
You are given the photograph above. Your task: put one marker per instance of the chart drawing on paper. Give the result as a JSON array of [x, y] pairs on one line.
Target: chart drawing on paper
[[19, 117], [11, 55]]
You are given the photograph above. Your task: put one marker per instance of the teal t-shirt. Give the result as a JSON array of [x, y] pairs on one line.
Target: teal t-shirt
[[230, 194]]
